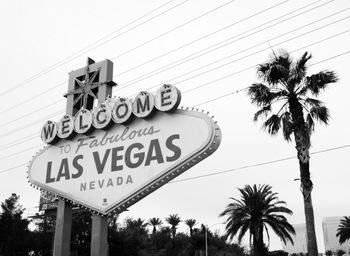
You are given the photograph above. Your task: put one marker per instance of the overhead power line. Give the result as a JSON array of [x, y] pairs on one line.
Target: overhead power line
[[19, 141], [222, 43], [222, 96], [203, 37], [138, 46], [88, 47], [212, 81], [257, 164], [244, 57], [229, 170], [51, 88]]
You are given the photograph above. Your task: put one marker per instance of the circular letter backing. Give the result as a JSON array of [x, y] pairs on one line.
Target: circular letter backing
[[143, 104], [83, 121], [101, 116], [65, 127], [49, 132], [122, 110], [167, 98]]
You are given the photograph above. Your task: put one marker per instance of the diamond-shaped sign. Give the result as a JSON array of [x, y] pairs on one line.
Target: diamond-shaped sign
[[112, 169]]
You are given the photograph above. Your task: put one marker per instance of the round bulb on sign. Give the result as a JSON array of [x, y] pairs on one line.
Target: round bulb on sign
[[83, 121], [122, 110], [167, 98], [65, 127], [102, 116], [143, 104], [49, 132]]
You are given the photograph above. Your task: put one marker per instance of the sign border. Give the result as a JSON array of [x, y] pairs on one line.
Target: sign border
[[209, 147]]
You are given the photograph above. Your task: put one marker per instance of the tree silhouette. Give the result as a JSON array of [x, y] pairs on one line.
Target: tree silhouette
[[287, 87], [343, 231], [173, 221], [155, 222], [191, 223], [257, 209]]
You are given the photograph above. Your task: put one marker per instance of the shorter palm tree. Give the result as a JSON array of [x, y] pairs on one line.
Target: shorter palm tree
[[191, 223], [155, 222], [258, 209], [173, 221], [344, 230], [329, 253]]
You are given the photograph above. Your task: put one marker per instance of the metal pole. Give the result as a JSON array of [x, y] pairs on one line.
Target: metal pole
[[99, 243], [206, 241], [63, 229]]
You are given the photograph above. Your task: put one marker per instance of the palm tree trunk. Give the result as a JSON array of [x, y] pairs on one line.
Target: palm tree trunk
[[302, 142], [306, 187]]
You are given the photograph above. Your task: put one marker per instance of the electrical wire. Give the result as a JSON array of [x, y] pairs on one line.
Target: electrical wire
[[199, 53], [203, 37], [206, 65], [83, 50], [35, 96], [250, 67], [24, 150], [205, 84], [142, 44], [225, 95], [257, 164], [19, 141]]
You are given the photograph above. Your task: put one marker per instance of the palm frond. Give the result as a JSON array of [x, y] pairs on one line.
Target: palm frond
[[287, 125], [272, 124], [319, 81], [262, 112], [320, 114], [312, 102], [260, 94], [276, 70], [310, 124], [343, 231], [298, 71]]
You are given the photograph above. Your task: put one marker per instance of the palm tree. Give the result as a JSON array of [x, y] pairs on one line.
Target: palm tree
[[139, 225], [173, 221], [191, 223], [329, 253], [257, 209], [339, 252], [344, 230], [155, 222], [287, 87]]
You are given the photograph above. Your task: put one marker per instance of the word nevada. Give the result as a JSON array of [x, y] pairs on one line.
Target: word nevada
[[119, 111]]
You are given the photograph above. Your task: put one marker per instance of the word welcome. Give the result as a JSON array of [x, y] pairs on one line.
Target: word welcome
[[110, 112]]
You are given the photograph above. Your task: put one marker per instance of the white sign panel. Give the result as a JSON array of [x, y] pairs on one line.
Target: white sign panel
[[112, 169]]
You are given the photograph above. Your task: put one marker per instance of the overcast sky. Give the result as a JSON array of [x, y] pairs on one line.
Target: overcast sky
[[208, 46]]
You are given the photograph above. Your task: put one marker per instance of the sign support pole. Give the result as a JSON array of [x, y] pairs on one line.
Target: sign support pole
[[99, 243], [100, 90], [63, 229]]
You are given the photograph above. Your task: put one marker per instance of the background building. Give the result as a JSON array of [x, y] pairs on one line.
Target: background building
[[299, 240], [331, 241]]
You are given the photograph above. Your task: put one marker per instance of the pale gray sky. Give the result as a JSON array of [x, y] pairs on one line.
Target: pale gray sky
[[43, 40]]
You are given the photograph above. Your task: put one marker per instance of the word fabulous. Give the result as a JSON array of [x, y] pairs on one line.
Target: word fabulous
[[167, 99]]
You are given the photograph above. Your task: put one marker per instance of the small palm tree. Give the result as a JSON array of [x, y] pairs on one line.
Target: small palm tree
[[340, 252], [191, 223], [155, 222], [343, 231], [287, 87], [139, 225], [173, 221], [329, 253], [257, 209]]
